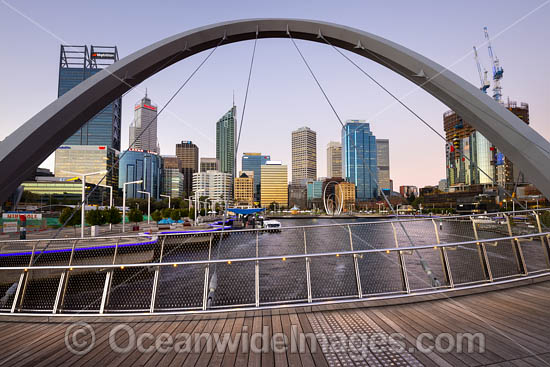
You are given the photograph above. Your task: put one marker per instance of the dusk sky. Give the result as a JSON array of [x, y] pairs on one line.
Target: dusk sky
[[283, 96]]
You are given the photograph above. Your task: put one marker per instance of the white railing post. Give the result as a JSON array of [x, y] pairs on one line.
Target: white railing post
[[308, 273], [108, 281], [156, 278], [257, 274], [23, 280], [355, 265], [444, 258], [207, 274], [402, 265]]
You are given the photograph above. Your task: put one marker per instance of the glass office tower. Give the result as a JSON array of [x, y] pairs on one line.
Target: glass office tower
[[359, 160], [137, 165], [253, 162], [226, 129], [78, 63]]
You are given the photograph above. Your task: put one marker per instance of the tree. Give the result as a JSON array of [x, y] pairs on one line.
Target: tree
[[166, 212], [184, 212], [156, 215], [135, 215], [175, 215], [70, 217], [411, 199], [95, 217], [112, 215]]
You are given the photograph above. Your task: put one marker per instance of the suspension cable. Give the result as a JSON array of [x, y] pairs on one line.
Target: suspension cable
[[414, 113], [115, 164]]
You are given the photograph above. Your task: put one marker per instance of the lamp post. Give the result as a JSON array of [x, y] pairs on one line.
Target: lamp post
[[148, 205], [110, 201], [166, 196], [83, 206], [124, 201]]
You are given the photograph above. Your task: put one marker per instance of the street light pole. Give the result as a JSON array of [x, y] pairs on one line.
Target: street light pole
[[166, 196], [124, 201], [148, 205], [83, 206]]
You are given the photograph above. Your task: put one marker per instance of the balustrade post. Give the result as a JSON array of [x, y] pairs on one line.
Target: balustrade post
[[444, 258], [207, 274], [23, 280], [308, 274], [108, 281], [544, 241], [402, 265], [516, 246], [156, 277], [257, 274], [355, 265], [482, 252], [63, 282]]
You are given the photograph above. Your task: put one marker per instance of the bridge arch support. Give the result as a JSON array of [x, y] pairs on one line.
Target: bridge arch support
[[37, 138]]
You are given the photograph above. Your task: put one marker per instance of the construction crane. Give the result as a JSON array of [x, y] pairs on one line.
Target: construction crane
[[485, 84], [497, 69]]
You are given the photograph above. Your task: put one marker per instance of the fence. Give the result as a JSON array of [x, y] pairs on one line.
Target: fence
[[182, 272]]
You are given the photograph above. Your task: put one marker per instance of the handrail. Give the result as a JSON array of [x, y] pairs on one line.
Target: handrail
[[278, 257]]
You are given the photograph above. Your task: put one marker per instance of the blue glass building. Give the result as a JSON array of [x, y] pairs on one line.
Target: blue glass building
[[135, 165], [78, 63], [254, 162], [314, 190], [359, 163]]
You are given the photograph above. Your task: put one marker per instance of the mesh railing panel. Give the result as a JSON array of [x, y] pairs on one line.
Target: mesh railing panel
[[180, 287], [95, 251], [41, 289], [424, 269], [137, 250], [370, 236], [535, 253], [9, 279], [283, 281], [235, 284], [465, 264], [131, 289], [16, 253], [415, 233], [502, 259], [84, 290], [53, 253], [455, 230], [286, 242], [327, 239], [234, 245], [333, 277], [380, 273], [186, 247]]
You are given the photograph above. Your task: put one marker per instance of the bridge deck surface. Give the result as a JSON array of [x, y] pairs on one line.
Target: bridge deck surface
[[515, 323]]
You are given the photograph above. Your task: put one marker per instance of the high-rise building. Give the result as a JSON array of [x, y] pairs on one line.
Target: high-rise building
[[172, 178], [213, 184], [87, 159], [359, 158], [243, 191], [315, 194], [78, 63], [383, 164], [188, 154], [209, 164], [407, 190], [304, 155], [274, 184], [226, 131], [143, 130], [137, 164], [346, 191], [334, 159], [253, 162]]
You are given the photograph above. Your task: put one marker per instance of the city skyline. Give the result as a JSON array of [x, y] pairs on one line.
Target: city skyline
[[523, 80]]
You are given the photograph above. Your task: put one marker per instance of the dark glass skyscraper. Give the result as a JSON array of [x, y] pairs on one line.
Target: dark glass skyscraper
[[78, 63], [359, 161], [253, 162], [136, 165]]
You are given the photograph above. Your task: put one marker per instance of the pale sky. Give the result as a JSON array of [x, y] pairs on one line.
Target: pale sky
[[283, 96]]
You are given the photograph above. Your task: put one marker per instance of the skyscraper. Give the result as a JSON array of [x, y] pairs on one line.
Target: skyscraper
[[143, 130], [253, 162], [359, 161], [213, 184], [137, 164], [243, 188], [334, 159], [274, 184], [383, 162], [226, 130], [172, 178], [304, 155], [78, 63], [188, 154]]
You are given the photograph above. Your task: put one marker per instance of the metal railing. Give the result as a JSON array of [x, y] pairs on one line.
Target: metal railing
[[260, 268]]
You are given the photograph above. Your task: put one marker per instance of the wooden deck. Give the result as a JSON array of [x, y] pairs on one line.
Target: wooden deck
[[515, 323]]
